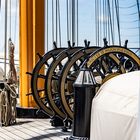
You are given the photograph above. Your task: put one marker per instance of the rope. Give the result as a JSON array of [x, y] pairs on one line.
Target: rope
[[5, 42], [67, 5], [138, 7], [113, 20], [77, 23], [59, 23], [104, 20], [96, 21], [100, 22], [110, 20], [0, 5], [10, 18], [133, 21], [128, 14], [47, 28], [11, 88], [128, 7], [56, 14], [52, 21], [73, 21], [70, 18], [8, 105], [108, 24], [118, 22], [15, 32]]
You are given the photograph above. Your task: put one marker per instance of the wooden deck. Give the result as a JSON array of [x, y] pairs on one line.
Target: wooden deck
[[32, 129]]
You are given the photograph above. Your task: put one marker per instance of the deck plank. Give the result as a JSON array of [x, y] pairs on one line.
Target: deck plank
[[32, 129]]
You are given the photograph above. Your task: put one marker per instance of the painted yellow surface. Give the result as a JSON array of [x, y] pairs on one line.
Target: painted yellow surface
[[31, 42]]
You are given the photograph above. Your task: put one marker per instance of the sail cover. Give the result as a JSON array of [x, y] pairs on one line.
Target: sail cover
[[115, 108]]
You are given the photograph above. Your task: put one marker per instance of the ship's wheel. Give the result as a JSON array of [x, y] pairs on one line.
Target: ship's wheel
[[105, 64]]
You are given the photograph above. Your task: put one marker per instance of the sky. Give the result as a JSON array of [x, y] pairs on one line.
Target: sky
[[86, 23], [14, 25], [129, 29]]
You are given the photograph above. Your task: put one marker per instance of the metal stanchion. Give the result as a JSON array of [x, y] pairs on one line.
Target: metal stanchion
[[84, 88]]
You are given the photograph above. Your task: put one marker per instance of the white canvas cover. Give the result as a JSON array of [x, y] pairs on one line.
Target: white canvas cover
[[114, 111]]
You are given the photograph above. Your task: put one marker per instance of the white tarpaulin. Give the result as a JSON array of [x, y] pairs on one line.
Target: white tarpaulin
[[115, 109]]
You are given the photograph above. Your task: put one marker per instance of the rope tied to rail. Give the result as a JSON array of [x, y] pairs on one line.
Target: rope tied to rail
[[8, 92]]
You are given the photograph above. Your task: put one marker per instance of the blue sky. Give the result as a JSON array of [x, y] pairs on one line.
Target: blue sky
[[86, 23], [14, 25]]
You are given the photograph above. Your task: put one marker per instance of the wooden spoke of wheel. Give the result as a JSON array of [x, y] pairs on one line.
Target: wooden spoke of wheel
[[36, 75], [66, 75], [53, 78]]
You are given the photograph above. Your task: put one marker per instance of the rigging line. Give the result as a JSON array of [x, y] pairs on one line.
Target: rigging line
[[47, 10], [113, 20], [5, 42], [108, 23], [52, 21], [110, 20], [129, 14], [128, 36], [117, 16], [77, 23], [96, 21], [130, 28], [129, 21], [67, 19], [103, 18], [138, 9], [134, 48], [59, 18], [56, 14], [70, 19], [73, 21], [134, 42], [10, 18], [127, 7], [106, 19], [139, 19], [100, 22], [15, 32]]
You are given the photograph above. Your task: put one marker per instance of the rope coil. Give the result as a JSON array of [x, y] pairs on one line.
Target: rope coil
[[7, 104]]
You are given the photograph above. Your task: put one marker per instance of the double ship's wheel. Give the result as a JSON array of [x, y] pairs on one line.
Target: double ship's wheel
[[105, 64], [59, 68]]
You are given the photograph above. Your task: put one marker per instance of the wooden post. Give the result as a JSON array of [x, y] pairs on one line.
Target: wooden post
[[31, 42]]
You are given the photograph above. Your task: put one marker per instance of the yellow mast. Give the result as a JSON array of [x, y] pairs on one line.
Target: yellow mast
[[31, 41]]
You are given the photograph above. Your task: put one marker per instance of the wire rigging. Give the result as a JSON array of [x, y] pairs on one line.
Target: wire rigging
[[0, 5], [70, 18], [73, 21], [59, 21], [56, 23], [10, 18], [67, 5], [113, 22], [5, 37], [77, 23], [47, 28], [128, 7], [52, 21], [138, 7], [118, 21], [15, 28], [108, 24]]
